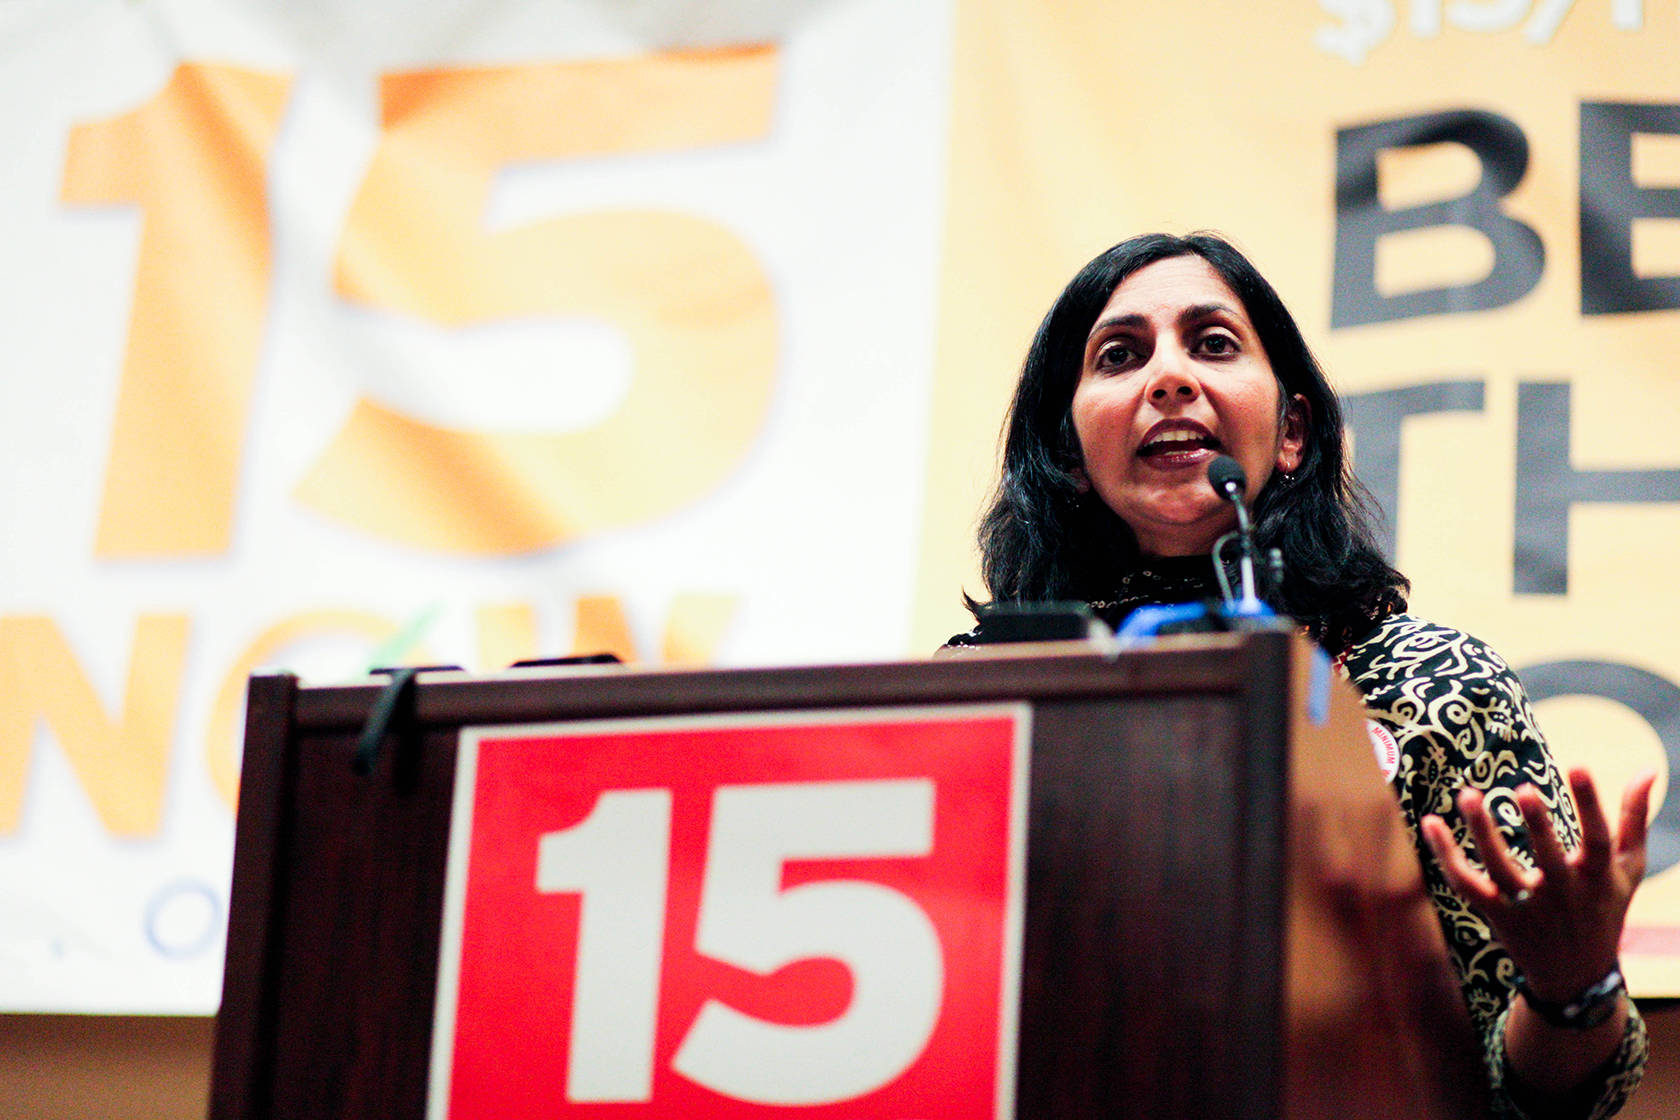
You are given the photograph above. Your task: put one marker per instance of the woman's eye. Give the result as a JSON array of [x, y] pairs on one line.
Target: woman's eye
[[1114, 354], [1219, 344]]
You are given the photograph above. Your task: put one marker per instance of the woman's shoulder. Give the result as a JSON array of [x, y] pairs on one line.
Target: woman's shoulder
[[1405, 645], [1406, 666]]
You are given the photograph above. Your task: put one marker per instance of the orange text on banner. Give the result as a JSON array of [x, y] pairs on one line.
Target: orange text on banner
[[194, 158], [122, 763]]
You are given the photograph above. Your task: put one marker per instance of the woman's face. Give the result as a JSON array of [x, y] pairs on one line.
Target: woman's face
[[1174, 375]]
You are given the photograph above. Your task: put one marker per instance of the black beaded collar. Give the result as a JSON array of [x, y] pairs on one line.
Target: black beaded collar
[[1162, 579]]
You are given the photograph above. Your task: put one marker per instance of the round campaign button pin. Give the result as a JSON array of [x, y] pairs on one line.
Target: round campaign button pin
[[1387, 750]]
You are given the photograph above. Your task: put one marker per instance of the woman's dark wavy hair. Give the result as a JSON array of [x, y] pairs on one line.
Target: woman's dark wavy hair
[[1048, 536]]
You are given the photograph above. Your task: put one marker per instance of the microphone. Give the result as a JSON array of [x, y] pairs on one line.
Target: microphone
[[1226, 477]]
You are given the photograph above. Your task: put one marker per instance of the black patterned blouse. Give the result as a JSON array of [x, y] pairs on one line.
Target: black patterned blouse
[[1461, 717]]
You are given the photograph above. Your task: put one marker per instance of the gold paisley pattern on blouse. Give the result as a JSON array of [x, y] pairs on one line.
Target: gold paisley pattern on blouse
[[1462, 718]]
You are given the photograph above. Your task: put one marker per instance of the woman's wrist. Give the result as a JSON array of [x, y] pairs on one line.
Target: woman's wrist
[[1555, 1060], [1583, 1007]]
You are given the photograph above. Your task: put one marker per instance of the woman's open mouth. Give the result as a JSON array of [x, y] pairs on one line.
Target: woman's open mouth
[[1174, 445]]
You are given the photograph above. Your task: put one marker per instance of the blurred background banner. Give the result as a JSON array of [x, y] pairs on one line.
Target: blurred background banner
[[340, 336]]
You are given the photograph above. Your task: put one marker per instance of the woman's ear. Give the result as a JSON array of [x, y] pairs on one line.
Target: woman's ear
[[1292, 439], [1069, 449]]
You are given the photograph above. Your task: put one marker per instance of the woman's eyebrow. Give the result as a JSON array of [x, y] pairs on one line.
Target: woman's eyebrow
[[1193, 314], [1197, 312], [1132, 319]]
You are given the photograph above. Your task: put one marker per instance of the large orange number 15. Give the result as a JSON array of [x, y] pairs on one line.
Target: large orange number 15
[[688, 294]]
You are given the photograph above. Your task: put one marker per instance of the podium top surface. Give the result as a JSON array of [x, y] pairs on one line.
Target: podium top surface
[[1191, 663]]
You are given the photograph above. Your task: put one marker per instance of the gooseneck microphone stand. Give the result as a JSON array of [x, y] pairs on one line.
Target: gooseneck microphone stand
[[1226, 477]]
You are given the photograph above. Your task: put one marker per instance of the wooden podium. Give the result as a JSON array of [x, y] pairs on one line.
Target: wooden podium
[[1223, 914]]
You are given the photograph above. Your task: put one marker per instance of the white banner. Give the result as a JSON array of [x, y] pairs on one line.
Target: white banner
[[454, 333]]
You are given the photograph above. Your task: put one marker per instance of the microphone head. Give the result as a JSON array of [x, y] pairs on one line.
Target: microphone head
[[1226, 477]]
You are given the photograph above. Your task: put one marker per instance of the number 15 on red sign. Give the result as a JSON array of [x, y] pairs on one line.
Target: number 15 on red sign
[[734, 917]]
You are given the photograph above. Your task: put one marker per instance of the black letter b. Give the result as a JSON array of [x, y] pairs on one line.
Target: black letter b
[[1519, 258]]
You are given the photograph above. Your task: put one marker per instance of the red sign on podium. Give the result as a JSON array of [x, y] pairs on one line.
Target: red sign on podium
[[735, 917]]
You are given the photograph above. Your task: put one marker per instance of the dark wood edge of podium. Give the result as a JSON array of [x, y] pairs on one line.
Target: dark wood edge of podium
[[1266, 734], [244, 1035]]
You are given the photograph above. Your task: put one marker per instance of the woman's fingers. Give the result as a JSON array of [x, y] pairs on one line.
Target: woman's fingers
[[1595, 830], [1549, 853], [1636, 813], [1507, 874], [1462, 875], [1561, 918]]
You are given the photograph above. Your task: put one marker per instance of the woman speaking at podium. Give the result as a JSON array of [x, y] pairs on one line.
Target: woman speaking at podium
[[1165, 353]]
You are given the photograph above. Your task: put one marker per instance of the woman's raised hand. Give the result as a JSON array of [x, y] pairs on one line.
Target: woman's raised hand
[[1560, 920]]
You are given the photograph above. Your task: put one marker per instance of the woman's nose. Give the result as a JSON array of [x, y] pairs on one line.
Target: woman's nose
[[1172, 380]]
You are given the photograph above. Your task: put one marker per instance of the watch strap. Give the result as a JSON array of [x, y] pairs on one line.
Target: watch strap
[[1585, 1011]]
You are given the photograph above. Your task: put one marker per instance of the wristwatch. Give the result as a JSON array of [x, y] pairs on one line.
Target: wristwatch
[[1586, 1010]]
